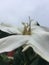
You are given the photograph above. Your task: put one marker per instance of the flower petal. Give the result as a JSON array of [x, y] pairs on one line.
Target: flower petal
[[12, 42], [39, 41], [9, 29]]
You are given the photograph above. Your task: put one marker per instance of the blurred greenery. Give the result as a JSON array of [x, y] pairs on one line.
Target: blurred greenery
[[29, 57], [3, 59]]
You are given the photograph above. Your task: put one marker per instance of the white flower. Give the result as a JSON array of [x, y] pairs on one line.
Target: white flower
[[39, 41]]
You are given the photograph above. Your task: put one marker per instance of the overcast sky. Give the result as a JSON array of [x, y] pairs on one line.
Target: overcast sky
[[16, 11]]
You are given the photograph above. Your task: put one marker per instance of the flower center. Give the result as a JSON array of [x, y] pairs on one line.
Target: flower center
[[27, 28]]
